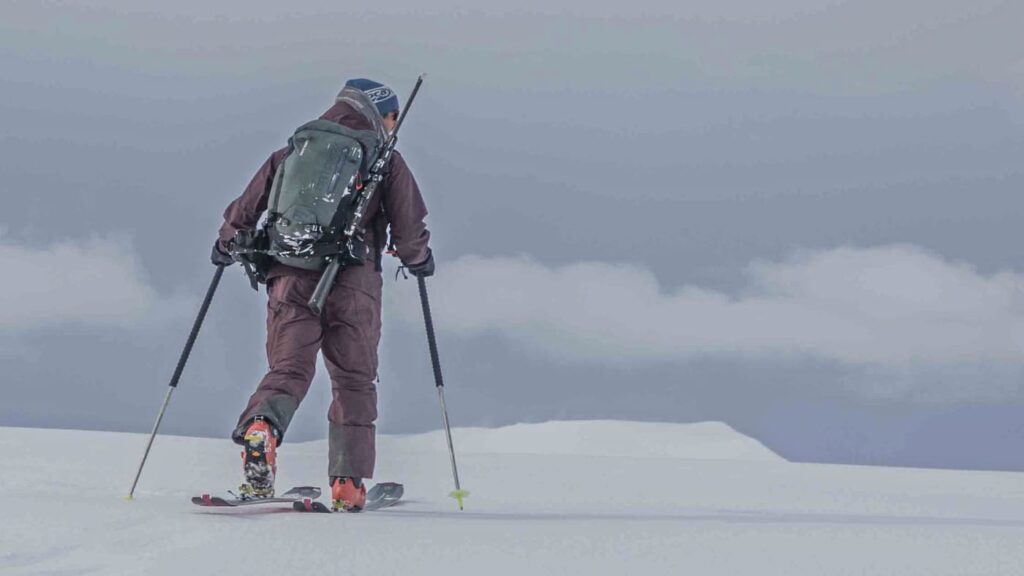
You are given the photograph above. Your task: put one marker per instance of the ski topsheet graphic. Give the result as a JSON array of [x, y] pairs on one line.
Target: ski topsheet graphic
[[296, 494], [380, 496]]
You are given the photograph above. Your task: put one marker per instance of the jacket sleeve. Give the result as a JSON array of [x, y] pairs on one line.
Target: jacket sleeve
[[405, 210], [244, 212]]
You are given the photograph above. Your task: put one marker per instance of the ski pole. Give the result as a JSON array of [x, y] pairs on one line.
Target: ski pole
[[177, 371], [459, 494]]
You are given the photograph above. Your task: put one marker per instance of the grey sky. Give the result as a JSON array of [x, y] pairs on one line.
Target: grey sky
[[693, 143]]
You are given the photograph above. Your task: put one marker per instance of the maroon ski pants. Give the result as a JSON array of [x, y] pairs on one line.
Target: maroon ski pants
[[348, 334]]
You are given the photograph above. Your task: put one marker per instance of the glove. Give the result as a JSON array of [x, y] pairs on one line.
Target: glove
[[219, 258], [424, 269]]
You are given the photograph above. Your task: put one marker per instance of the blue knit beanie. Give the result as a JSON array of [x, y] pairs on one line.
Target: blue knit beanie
[[380, 94]]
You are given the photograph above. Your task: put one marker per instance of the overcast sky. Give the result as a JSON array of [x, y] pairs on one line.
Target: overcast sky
[[800, 217]]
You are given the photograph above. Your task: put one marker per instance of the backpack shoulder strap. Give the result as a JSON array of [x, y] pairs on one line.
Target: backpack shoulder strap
[[275, 190]]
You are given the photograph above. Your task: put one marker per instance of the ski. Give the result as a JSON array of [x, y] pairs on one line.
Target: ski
[[296, 494], [380, 496]]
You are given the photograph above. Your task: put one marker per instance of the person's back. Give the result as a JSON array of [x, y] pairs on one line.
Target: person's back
[[347, 332]]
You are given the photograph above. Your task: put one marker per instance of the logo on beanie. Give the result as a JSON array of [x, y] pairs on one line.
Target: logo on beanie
[[381, 94]]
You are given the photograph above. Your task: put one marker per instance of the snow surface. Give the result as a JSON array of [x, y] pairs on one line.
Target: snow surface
[[556, 498]]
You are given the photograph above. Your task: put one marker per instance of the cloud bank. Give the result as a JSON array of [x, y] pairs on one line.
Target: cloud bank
[[97, 281], [888, 306]]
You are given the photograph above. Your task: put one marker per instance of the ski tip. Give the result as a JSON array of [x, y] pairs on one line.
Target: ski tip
[[460, 496], [128, 498]]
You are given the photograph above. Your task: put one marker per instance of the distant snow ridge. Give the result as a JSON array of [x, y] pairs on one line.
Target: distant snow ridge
[[702, 441]]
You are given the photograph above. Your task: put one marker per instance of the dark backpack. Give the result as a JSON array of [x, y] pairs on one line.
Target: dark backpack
[[315, 186]]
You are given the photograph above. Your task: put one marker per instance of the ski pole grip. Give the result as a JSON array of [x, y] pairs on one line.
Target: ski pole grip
[[428, 321], [318, 301]]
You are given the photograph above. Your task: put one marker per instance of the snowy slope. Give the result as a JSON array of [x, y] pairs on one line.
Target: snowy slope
[[707, 440], [554, 498]]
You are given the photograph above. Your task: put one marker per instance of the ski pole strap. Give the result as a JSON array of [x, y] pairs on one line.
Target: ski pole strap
[[250, 272]]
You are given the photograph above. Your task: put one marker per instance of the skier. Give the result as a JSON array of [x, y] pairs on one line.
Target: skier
[[348, 332]]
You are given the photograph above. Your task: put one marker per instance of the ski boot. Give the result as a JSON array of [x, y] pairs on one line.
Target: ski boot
[[259, 460], [348, 494]]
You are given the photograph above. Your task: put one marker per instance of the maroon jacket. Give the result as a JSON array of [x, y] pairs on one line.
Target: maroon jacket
[[403, 208]]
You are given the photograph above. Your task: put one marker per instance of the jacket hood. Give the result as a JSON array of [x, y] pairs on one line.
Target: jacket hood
[[354, 109]]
